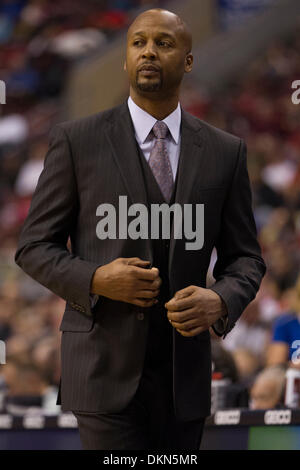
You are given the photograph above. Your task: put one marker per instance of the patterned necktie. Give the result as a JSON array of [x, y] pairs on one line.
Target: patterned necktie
[[159, 161]]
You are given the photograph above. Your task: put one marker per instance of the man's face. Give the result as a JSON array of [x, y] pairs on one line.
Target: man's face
[[157, 54], [264, 395]]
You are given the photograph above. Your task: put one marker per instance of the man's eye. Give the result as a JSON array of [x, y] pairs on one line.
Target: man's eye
[[138, 42], [163, 43]]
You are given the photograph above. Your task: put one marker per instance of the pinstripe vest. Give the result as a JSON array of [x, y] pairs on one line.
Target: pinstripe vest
[[159, 341]]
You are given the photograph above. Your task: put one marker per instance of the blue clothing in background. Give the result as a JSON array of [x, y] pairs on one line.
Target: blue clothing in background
[[287, 329]]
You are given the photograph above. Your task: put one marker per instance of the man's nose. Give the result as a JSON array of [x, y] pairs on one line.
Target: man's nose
[[149, 52]]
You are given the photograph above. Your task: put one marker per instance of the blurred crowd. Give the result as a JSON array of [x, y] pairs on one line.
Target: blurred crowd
[[39, 40], [258, 107]]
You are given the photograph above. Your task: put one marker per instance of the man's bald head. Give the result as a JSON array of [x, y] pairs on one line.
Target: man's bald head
[[158, 54], [174, 22]]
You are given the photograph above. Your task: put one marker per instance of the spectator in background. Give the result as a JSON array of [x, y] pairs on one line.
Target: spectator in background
[[286, 335], [223, 363], [27, 389], [30, 171], [267, 391], [251, 332], [247, 363]]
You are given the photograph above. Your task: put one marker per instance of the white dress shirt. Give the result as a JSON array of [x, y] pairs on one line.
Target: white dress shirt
[[143, 123]]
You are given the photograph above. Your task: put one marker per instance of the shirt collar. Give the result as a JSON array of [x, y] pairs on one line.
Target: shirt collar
[[143, 121]]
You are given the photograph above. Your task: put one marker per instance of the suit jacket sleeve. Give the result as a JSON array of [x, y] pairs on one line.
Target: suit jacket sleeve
[[239, 268], [42, 249]]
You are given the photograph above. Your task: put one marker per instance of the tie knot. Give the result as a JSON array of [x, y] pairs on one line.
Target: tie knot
[[160, 130]]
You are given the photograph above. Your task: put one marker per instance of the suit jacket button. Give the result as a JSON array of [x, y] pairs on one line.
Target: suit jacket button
[[140, 316]]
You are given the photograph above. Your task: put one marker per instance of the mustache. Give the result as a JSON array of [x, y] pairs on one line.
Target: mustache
[[147, 66]]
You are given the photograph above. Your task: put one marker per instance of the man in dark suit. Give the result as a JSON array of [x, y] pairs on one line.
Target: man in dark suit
[[136, 360]]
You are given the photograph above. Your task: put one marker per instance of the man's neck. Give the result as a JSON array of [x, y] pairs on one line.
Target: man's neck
[[159, 108]]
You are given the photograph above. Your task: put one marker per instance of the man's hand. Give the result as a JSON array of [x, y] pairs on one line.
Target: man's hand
[[194, 309], [127, 280]]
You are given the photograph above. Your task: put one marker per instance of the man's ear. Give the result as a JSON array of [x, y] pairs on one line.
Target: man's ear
[[124, 66], [189, 59]]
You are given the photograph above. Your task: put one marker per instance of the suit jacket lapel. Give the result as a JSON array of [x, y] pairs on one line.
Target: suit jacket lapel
[[191, 166], [121, 136], [124, 149]]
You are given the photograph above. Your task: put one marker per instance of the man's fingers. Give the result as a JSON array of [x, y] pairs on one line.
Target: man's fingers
[[181, 294], [193, 332], [181, 317], [148, 284], [155, 284], [147, 294], [145, 274], [144, 302], [185, 326], [137, 262], [180, 305], [175, 304]]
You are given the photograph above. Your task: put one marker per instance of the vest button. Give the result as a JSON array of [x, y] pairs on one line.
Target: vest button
[[140, 316]]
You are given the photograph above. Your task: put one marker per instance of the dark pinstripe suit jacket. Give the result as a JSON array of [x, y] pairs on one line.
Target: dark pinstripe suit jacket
[[92, 161]]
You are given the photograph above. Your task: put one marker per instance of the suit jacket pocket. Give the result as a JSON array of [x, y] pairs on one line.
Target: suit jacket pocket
[[76, 321]]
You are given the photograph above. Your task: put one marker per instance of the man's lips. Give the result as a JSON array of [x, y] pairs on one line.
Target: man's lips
[[149, 69]]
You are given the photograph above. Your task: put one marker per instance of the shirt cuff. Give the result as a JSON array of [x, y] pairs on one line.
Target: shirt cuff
[[220, 326], [93, 299]]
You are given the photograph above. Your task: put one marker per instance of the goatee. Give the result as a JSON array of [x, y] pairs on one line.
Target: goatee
[[149, 86], [144, 86]]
